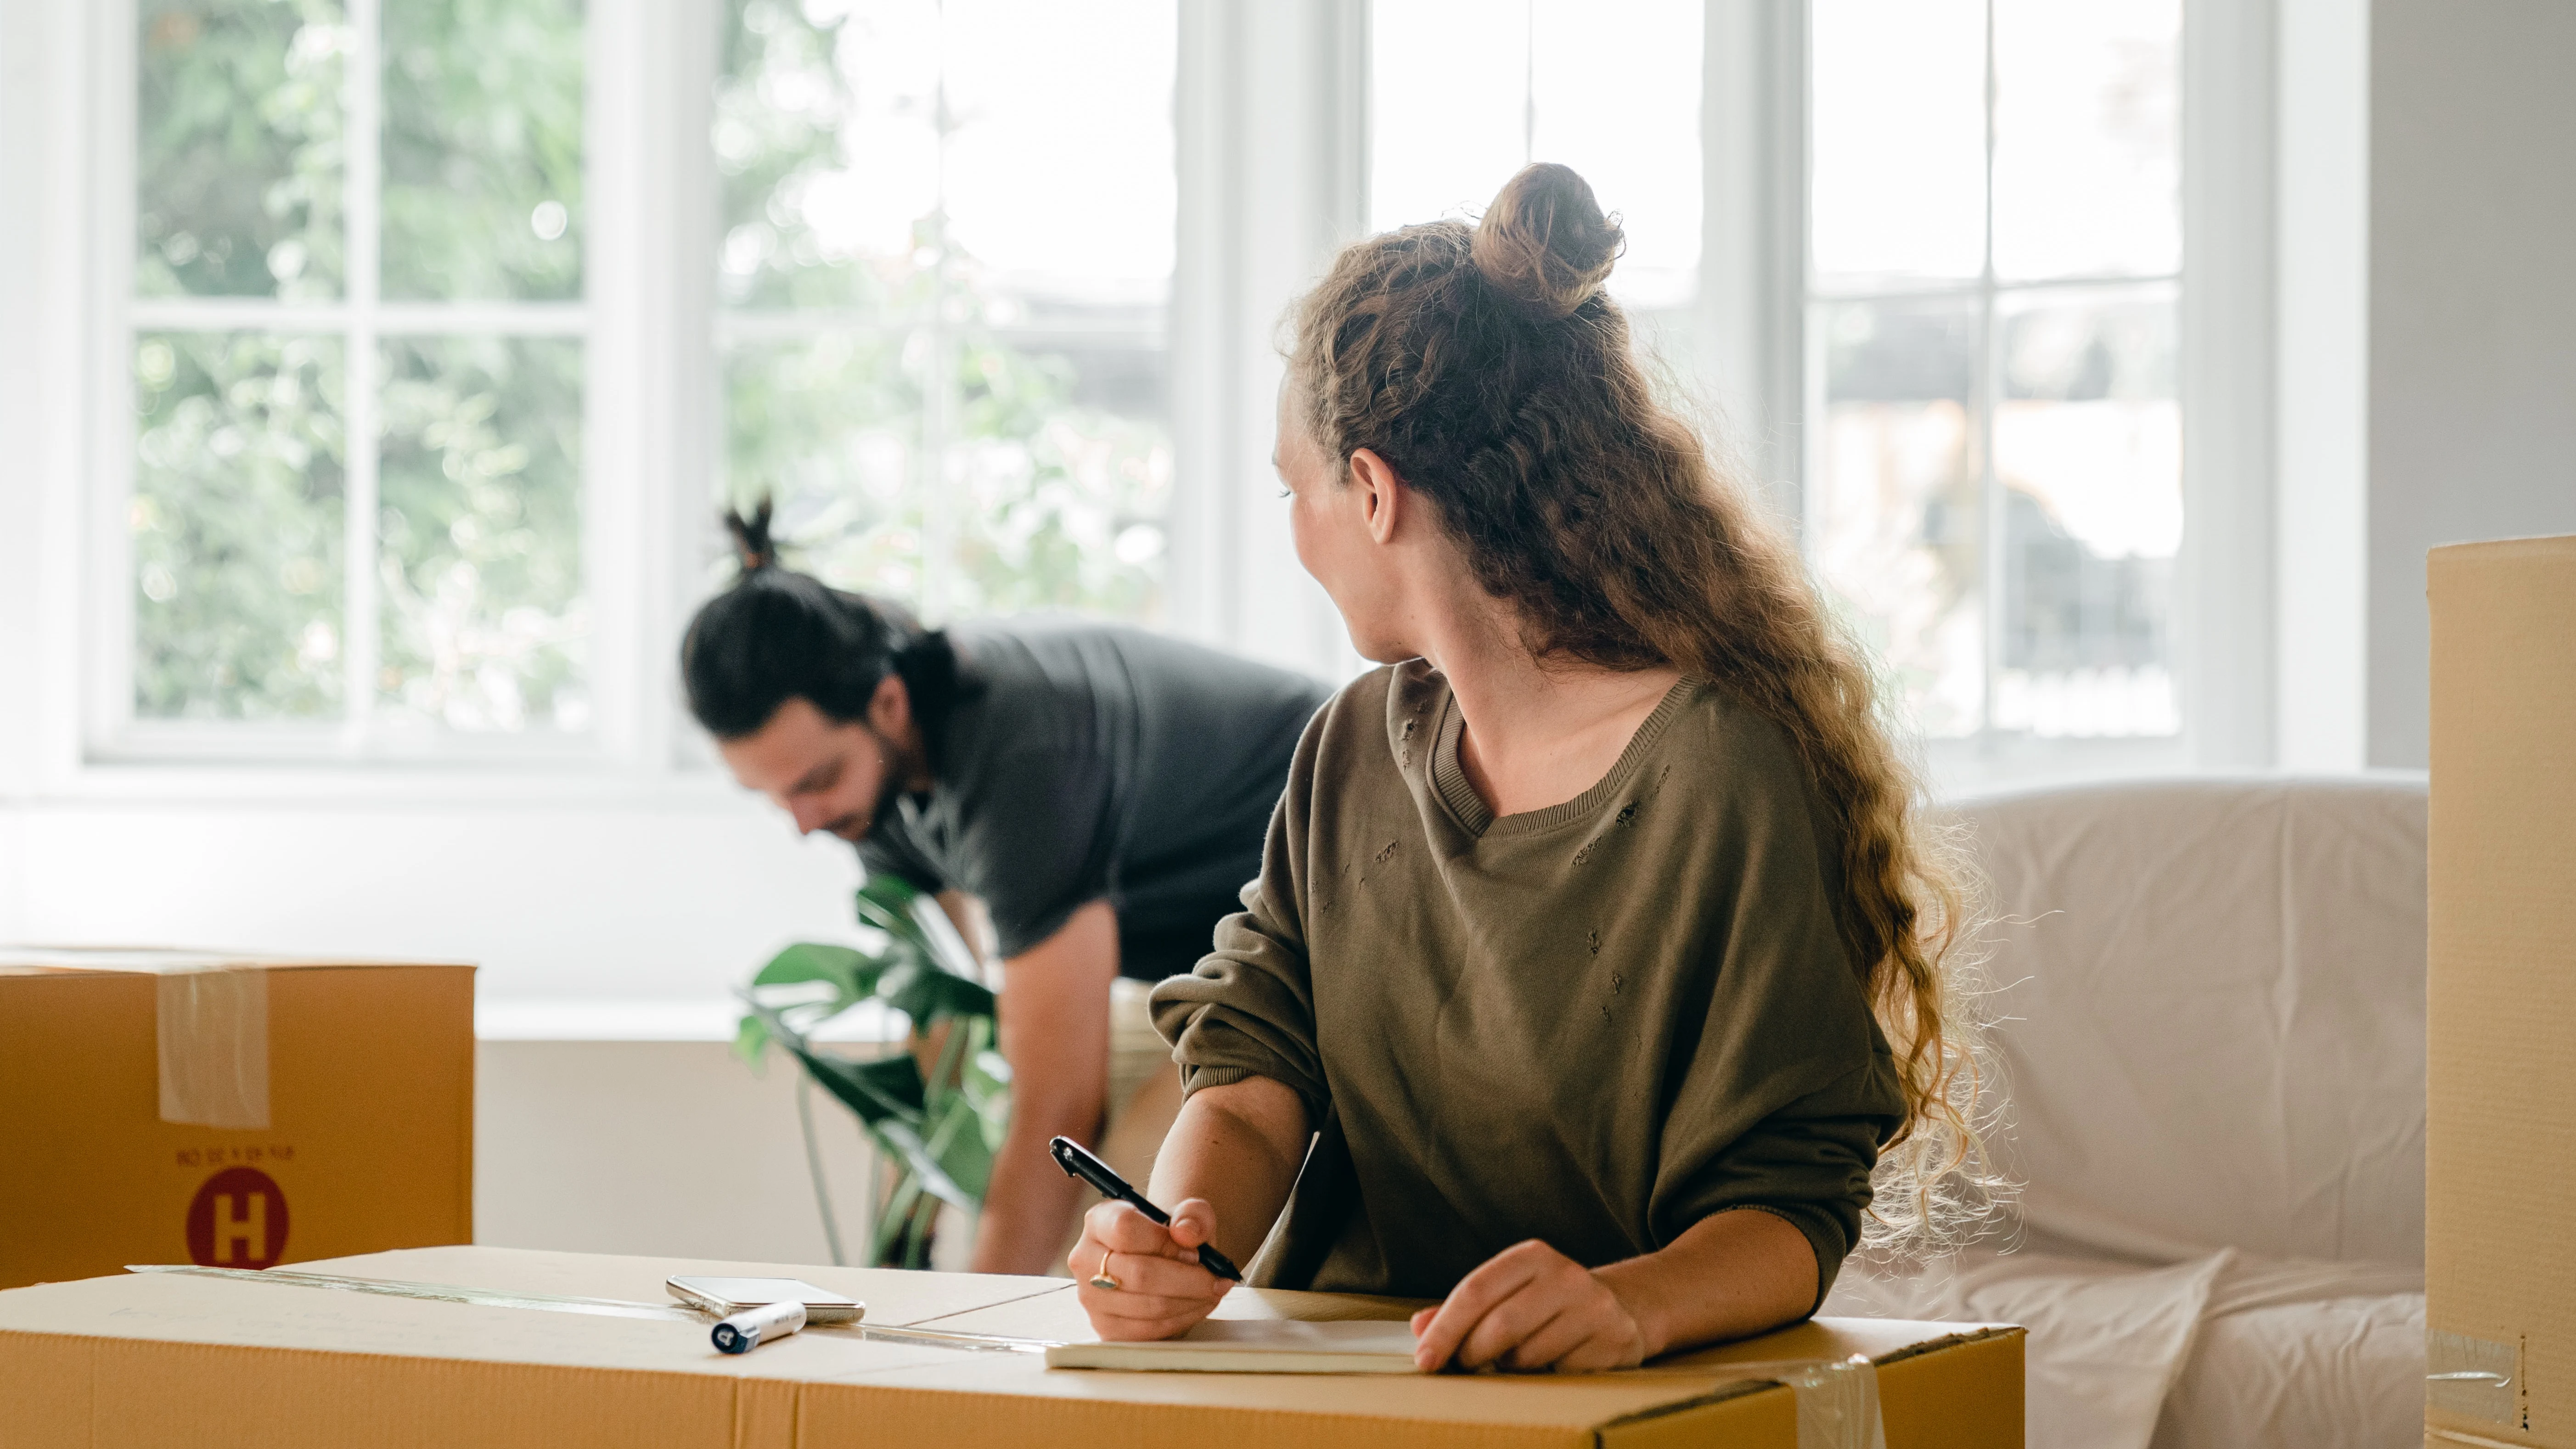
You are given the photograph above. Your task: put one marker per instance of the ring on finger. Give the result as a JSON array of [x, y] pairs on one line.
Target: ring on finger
[[1104, 1278]]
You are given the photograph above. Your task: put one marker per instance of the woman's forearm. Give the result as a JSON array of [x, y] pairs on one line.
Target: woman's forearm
[[1728, 1276], [1238, 1148]]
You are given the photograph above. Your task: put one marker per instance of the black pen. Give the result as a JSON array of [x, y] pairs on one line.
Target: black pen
[[1078, 1163]]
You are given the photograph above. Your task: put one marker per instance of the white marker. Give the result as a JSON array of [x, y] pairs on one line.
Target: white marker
[[754, 1326]]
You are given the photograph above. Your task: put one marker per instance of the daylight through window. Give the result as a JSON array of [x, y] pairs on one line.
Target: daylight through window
[[944, 273], [1994, 481], [357, 344]]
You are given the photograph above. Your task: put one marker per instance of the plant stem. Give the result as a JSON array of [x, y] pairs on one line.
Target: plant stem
[[814, 1165]]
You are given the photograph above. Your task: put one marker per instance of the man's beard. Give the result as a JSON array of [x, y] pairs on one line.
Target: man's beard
[[899, 769]]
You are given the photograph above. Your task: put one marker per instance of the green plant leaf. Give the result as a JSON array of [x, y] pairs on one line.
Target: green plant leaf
[[751, 1042], [927, 994], [851, 975], [887, 1090], [924, 1165]]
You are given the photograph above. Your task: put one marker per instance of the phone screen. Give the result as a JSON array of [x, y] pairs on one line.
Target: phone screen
[[730, 1294]]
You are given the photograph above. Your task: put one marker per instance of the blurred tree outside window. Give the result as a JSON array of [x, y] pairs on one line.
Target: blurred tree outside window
[[357, 359], [944, 272]]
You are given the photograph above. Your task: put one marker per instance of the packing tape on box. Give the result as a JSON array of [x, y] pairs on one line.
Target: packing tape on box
[[2473, 1377], [559, 1303], [1837, 1399], [212, 1026], [210, 1021]]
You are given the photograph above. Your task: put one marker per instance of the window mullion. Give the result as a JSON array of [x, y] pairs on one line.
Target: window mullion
[[363, 88], [1990, 492]]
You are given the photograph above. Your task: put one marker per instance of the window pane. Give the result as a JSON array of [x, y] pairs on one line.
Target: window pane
[[950, 235], [482, 149], [830, 426], [1062, 474], [827, 138], [236, 523], [1898, 141], [1448, 115], [484, 620], [1614, 93], [2088, 446], [1893, 512], [1059, 173], [1462, 95], [2087, 138], [238, 156]]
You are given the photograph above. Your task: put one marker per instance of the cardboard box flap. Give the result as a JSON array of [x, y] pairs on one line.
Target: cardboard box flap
[[170, 960], [210, 1019]]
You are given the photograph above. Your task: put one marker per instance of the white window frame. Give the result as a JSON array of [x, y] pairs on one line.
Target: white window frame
[[2222, 627], [1272, 163]]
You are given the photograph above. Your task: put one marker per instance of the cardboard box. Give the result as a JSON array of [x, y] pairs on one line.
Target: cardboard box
[[149, 1360], [2500, 1143], [240, 1111]]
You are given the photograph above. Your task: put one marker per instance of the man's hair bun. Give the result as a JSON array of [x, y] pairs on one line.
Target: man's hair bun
[[1544, 242], [753, 548]]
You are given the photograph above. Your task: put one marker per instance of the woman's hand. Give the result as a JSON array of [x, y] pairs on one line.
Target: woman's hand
[[1159, 1288], [1529, 1308]]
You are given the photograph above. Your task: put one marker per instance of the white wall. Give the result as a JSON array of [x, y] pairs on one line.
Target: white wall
[[662, 1149], [677, 894], [2472, 428]]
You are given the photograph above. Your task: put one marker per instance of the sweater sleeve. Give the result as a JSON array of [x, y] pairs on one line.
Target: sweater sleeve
[[1786, 1090], [1249, 1007]]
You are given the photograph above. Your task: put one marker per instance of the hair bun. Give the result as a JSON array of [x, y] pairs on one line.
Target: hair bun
[[752, 546], [1545, 243]]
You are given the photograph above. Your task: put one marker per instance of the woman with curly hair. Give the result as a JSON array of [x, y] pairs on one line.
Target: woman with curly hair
[[1598, 949]]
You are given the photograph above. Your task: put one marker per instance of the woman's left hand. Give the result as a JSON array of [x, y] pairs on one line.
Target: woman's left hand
[[1530, 1308]]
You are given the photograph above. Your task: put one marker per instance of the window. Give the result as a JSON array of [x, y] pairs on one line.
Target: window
[[1463, 94], [356, 333], [945, 273], [1994, 477]]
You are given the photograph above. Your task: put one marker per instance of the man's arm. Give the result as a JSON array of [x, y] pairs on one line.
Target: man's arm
[[1055, 1035]]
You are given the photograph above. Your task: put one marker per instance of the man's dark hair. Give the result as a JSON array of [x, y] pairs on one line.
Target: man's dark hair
[[775, 634]]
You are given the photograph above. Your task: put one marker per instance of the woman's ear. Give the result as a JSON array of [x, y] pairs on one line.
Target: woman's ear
[[1380, 494]]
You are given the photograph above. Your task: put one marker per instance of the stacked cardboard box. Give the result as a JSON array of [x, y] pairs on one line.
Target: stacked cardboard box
[[548, 1358], [229, 1110], [2500, 1273]]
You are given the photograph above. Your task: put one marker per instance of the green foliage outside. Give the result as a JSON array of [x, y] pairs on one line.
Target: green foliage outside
[[916, 446], [938, 1130], [483, 615], [236, 526], [241, 159], [1033, 499]]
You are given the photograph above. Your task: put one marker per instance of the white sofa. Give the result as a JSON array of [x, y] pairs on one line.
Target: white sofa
[[2211, 1003]]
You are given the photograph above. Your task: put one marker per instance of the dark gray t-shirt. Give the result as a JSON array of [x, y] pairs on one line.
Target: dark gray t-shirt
[[1088, 761]]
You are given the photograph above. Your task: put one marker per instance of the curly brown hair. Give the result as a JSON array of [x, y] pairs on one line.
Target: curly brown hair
[[1489, 368]]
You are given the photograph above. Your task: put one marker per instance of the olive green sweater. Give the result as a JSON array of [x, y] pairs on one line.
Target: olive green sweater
[[1594, 1024]]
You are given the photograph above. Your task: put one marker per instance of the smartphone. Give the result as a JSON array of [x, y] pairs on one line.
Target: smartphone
[[725, 1297]]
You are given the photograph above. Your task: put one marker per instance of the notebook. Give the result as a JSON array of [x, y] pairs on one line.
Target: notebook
[[1257, 1346]]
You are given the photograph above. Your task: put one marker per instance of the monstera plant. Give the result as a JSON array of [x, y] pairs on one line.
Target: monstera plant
[[937, 1111]]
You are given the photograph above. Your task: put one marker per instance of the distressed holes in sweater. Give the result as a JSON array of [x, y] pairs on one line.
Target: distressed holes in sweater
[[1383, 856]]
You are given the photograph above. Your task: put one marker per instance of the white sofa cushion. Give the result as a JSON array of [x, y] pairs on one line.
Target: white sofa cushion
[[2213, 1003]]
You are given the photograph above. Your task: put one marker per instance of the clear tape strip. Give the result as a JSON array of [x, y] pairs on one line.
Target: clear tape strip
[[2472, 1377], [1837, 1399], [211, 1026], [598, 1307]]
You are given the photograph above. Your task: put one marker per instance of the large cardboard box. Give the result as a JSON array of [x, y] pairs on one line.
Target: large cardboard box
[[209, 1363], [231, 1110], [2500, 1145]]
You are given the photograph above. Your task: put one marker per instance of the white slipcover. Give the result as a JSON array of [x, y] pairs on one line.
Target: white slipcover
[[2211, 1034]]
